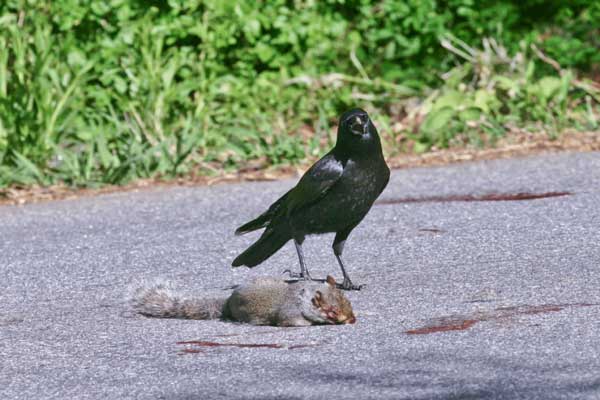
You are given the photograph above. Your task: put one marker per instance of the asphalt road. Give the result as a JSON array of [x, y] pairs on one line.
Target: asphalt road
[[464, 299]]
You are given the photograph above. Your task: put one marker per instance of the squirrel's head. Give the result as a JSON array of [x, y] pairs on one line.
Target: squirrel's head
[[330, 306]]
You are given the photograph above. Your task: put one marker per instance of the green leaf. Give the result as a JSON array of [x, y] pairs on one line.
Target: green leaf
[[549, 86], [29, 167], [106, 159], [265, 53], [450, 99], [437, 120], [470, 114], [420, 147]]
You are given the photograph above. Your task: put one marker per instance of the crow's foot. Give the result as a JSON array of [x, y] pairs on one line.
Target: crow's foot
[[299, 276], [348, 285]]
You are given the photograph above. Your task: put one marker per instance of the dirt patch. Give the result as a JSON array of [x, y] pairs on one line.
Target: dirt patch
[[520, 144], [514, 145], [17, 195]]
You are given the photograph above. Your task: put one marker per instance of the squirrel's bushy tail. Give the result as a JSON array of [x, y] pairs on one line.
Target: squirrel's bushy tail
[[161, 302], [270, 241]]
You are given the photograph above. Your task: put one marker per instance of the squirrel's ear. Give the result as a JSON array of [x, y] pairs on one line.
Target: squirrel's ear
[[316, 300], [330, 280]]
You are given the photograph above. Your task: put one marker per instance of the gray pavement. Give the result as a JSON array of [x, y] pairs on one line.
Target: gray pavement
[[465, 300]]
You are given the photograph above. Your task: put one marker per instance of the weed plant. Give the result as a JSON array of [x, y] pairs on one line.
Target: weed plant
[[101, 92]]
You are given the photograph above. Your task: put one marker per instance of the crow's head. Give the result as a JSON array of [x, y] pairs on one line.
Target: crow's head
[[355, 122], [356, 132]]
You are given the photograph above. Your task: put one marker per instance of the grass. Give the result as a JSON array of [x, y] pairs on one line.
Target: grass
[[134, 104]]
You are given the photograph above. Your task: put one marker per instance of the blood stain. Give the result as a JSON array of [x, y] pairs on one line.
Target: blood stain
[[204, 343], [300, 346], [432, 230], [455, 325], [461, 323], [189, 351], [469, 197]]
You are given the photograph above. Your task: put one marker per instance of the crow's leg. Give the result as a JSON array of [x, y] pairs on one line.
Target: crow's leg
[[338, 248], [303, 270], [303, 275]]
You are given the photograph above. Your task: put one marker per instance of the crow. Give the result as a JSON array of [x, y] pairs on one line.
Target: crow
[[334, 195]]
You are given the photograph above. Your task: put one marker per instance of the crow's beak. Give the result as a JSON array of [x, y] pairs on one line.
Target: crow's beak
[[357, 127], [366, 127]]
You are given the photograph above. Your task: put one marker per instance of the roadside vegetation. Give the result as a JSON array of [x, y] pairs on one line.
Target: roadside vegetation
[[108, 91]]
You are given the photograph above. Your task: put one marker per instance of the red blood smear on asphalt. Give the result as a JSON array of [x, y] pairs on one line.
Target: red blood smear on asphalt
[[300, 346], [486, 197], [203, 343], [189, 351], [455, 325], [461, 323]]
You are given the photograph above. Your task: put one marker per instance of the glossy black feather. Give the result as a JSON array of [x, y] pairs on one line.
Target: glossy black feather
[[334, 195]]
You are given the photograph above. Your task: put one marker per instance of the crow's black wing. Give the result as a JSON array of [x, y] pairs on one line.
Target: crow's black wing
[[314, 183], [265, 218]]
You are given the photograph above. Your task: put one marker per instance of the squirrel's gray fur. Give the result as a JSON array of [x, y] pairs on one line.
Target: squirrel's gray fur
[[264, 301]]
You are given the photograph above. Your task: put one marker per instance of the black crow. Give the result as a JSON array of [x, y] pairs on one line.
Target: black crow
[[334, 195]]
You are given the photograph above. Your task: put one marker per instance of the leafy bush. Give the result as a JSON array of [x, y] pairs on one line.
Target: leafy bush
[[492, 91], [105, 91]]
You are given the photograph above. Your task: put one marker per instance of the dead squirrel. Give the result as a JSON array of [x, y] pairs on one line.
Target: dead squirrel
[[264, 301]]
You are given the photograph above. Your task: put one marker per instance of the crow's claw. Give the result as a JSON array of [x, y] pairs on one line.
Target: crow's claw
[[299, 276], [348, 285]]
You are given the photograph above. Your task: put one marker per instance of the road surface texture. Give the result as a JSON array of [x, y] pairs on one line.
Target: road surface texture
[[475, 289]]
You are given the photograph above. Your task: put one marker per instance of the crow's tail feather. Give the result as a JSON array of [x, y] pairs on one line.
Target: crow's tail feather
[[257, 223], [263, 248], [265, 218]]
